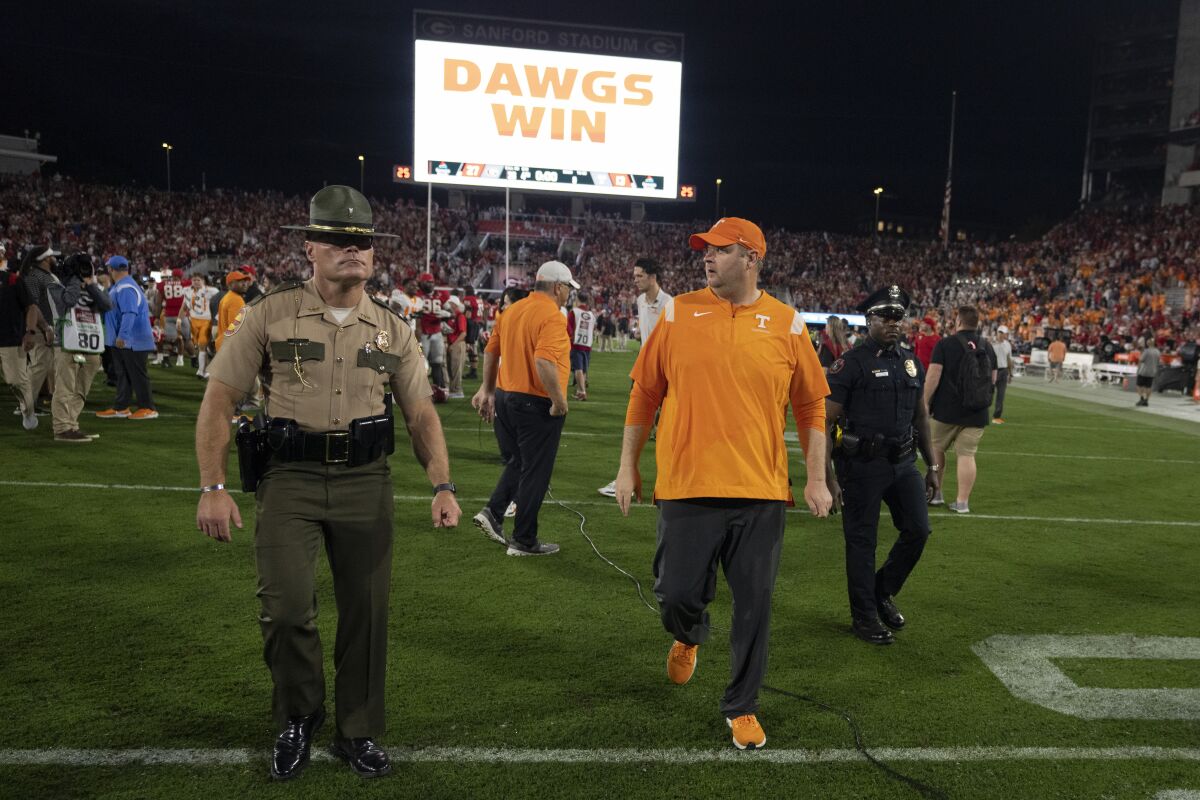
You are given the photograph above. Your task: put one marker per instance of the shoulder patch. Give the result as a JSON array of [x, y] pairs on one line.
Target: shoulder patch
[[286, 286], [385, 306], [236, 325], [837, 366]]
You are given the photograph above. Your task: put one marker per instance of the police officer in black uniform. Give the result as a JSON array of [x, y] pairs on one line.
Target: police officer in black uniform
[[877, 421]]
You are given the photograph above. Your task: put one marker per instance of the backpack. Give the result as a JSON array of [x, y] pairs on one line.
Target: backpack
[[974, 376]]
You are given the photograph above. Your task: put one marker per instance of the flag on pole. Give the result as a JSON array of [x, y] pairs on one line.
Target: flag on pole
[[944, 229], [945, 226]]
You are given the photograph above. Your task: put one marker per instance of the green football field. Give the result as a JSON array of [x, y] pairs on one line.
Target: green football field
[[1051, 650]]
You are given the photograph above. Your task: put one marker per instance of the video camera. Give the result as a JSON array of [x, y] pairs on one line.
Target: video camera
[[79, 265]]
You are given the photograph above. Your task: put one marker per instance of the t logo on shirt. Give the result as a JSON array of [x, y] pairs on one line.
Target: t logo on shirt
[[763, 319]]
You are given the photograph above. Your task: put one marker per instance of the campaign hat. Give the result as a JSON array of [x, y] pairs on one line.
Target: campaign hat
[[340, 209]]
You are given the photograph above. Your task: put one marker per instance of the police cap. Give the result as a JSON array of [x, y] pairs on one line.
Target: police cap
[[885, 297]]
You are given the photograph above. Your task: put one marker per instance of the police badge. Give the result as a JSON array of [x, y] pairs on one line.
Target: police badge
[[382, 341], [910, 367]]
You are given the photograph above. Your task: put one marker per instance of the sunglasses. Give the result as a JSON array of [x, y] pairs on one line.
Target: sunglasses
[[890, 313], [343, 241]]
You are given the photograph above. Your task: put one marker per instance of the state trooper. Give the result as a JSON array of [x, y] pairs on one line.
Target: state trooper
[[877, 421], [330, 357]]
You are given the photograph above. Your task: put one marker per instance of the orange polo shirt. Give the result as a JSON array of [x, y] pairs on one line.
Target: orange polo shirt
[[227, 311], [724, 376], [529, 329]]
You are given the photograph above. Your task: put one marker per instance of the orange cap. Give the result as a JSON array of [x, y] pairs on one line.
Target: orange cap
[[731, 230], [236, 276]]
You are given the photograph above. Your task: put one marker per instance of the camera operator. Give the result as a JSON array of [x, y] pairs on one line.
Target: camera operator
[[77, 303]]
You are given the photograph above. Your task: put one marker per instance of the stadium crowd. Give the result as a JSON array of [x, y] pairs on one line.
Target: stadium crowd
[[1120, 273]]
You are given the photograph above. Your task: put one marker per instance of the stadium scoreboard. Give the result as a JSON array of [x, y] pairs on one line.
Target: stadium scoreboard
[[534, 105]]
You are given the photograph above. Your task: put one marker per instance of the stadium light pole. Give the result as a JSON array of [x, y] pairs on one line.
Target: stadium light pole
[[168, 148], [717, 204], [878, 190], [361, 167]]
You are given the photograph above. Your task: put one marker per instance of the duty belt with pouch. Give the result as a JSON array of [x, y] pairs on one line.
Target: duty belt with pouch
[[877, 446], [266, 440]]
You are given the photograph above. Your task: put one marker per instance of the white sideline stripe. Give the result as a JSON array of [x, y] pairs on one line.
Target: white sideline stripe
[[615, 435], [610, 503], [986, 452], [487, 755], [1178, 794], [1073, 520]]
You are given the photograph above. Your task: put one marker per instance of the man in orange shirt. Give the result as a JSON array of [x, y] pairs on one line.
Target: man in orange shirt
[[1056, 354], [723, 364], [524, 390], [231, 305]]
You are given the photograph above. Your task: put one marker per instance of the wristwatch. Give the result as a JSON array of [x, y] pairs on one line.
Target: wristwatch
[[934, 468], [445, 487]]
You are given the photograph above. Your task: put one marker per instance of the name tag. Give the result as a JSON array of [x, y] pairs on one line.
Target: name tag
[[880, 373], [303, 349], [379, 360]]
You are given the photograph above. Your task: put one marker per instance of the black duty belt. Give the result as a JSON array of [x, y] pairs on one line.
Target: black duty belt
[[368, 439]]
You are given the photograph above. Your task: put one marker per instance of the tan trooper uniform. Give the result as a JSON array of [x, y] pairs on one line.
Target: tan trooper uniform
[[323, 374]]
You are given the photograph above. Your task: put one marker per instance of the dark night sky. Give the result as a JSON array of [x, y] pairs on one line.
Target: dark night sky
[[801, 109]]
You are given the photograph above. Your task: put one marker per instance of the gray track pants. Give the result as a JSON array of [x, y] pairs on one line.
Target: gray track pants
[[746, 538]]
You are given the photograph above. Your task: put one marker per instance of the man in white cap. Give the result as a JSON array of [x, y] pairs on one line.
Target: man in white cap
[[1004, 362], [525, 370]]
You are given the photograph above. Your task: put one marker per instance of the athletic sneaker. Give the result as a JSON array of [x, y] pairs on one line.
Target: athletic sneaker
[[610, 490], [540, 549], [997, 421], [681, 662], [511, 511], [113, 413], [958, 508], [29, 421], [144, 413], [74, 437], [747, 733], [455, 396], [490, 526], [937, 500]]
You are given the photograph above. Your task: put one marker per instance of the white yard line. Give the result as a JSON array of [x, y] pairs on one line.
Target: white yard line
[[607, 503], [670, 756], [985, 452]]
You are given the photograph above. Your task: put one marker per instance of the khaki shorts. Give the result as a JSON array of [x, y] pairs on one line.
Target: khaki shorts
[[964, 439]]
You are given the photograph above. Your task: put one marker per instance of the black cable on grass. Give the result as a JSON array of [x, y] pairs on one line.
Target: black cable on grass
[[924, 789]]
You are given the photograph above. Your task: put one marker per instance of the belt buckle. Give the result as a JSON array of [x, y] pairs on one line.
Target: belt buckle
[[339, 454]]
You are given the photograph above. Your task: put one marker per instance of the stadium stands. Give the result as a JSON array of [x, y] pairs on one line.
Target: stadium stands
[[1120, 273]]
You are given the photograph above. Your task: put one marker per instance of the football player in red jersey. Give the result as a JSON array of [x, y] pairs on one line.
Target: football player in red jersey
[[474, 323], [174, 339], [432, 312]]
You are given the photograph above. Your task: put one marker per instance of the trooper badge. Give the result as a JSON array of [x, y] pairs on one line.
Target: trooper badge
[[382, 341], [910, 367]]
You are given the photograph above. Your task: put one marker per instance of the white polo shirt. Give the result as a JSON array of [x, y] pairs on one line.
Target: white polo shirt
[[648, 313]]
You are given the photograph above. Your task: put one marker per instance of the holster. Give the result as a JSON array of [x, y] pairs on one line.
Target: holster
[[252, 454]]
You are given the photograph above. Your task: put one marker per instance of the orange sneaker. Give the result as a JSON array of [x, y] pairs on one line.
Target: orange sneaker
[[747, 733], [681, 662], [113, 413], [144, 413]]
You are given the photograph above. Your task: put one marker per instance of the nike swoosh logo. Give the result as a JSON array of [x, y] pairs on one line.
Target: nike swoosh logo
[[700, 313]]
